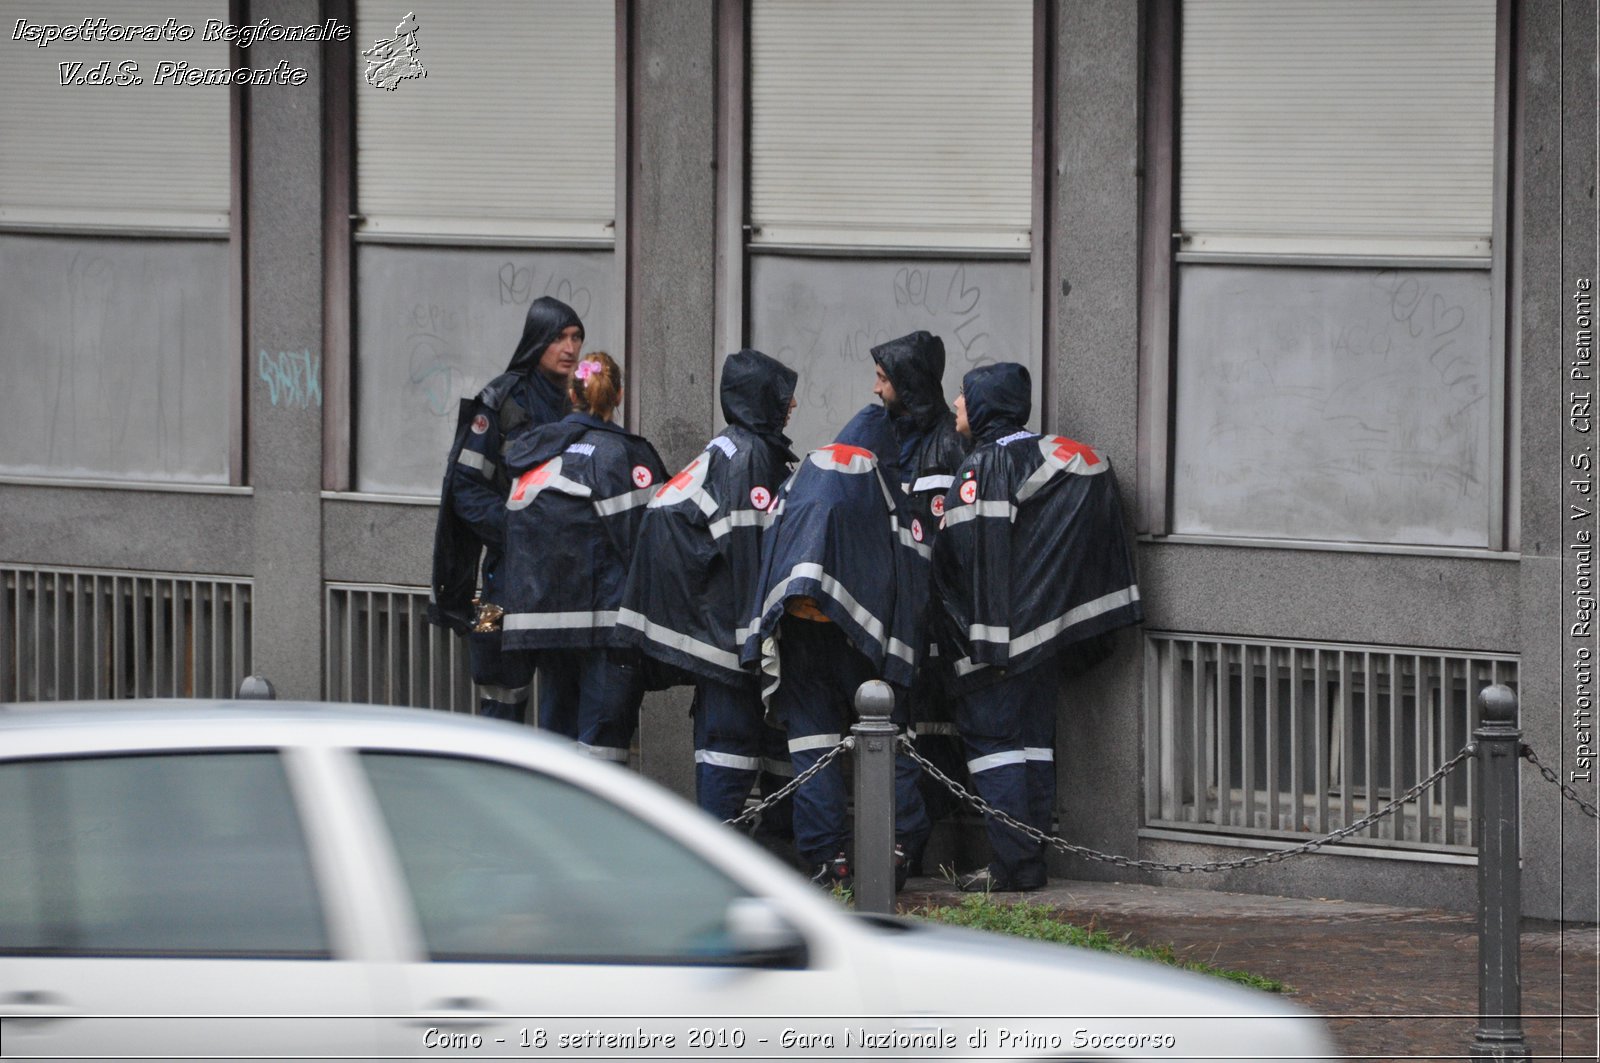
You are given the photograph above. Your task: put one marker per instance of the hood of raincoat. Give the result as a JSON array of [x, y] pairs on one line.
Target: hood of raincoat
[[914, 364], [546, 319], [756, 389], [999, 400]]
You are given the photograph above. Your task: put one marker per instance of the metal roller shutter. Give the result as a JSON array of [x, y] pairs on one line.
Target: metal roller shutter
[[142, 156], [891, 124], [1338, 126], [511, 134]]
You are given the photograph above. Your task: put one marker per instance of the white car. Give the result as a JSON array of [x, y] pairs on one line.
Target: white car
[[184, 879]]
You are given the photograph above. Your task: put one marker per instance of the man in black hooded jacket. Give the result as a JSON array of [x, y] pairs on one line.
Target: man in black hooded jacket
[[910, 383], [1032, 573], [472, 513]]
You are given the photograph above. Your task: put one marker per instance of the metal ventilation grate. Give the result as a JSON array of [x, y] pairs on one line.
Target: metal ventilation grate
[[381, 650], [1271, 738], [67, 634]]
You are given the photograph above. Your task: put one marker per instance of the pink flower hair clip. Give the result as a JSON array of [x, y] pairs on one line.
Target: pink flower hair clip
[[587, 370]]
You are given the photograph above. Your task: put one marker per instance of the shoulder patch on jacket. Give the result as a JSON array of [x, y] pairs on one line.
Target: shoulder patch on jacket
[[724, 444]]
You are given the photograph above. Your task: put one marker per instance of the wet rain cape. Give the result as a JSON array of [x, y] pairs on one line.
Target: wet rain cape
[[837, 539], [572, 517], [1034, 563], [694, 573]]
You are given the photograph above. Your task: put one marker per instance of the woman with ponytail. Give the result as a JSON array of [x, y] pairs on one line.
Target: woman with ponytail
[[578, 492]]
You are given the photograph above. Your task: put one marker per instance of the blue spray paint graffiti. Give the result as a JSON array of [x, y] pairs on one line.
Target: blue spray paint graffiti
[[293, 378]]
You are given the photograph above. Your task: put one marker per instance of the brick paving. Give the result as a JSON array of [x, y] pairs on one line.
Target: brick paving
[[1394, 983]]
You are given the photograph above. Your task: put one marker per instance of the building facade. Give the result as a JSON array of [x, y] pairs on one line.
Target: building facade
[[1314, 276]]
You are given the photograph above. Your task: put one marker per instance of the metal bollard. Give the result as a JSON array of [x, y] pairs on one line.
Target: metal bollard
[[875, 741], [1499, 1033], [257, 688]]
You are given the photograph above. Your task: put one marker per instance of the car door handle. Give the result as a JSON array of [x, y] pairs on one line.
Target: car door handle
[[459, 1013], [34, 1004]]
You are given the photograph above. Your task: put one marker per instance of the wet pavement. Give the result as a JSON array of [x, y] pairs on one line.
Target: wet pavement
[[1393, 983]]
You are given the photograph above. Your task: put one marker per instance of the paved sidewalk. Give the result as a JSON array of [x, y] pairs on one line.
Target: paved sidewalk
[[1394, 983]]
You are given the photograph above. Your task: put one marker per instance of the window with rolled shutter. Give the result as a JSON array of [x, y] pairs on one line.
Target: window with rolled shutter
[[121, 156], [891, 125], [1337, 127], [511, 133]]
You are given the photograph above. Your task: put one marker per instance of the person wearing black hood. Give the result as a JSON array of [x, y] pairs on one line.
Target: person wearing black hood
[[471, 527], [694, 575], [1032, 572], [910, 383]]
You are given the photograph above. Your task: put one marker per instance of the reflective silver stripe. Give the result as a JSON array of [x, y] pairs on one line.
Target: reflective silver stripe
[[928, 483], [677, 640], [473, 460], [805, 742], [907, 539], [997, 760], [988, 633], [901, 650], [611, 753], [744, 633], [505, 695], [545, 621], [929, 727], [833, 589], [774, 766], [962, 514], [966, 666], [726, 760], [738, 518], [1038, 753], [1041, 476], [1086, 611], [622, 503]]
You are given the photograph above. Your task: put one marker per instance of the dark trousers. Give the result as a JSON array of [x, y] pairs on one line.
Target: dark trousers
[[819, 672], [1009, 729], [503, 677], [733, 748], [592, 696]]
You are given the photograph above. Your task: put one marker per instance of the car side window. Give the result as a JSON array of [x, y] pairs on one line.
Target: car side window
[[196, 854], [509, 864]]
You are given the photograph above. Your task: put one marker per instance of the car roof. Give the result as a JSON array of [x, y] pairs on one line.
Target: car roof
[[83, 726]]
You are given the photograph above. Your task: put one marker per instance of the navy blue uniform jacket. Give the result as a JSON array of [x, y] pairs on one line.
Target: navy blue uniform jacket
[[572, 518], [699, 553]]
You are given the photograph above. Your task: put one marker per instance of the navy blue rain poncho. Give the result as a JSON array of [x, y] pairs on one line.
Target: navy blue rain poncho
[[837, 539], [695, 570], [1034, 564]]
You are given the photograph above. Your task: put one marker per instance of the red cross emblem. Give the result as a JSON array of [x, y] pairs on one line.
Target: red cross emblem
[[480, 425], [969, 491], [1067, 449], [844, 453], [916, 530], [641, 476], [760, 497], [938, 505], [533, 478], [680, 481]]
